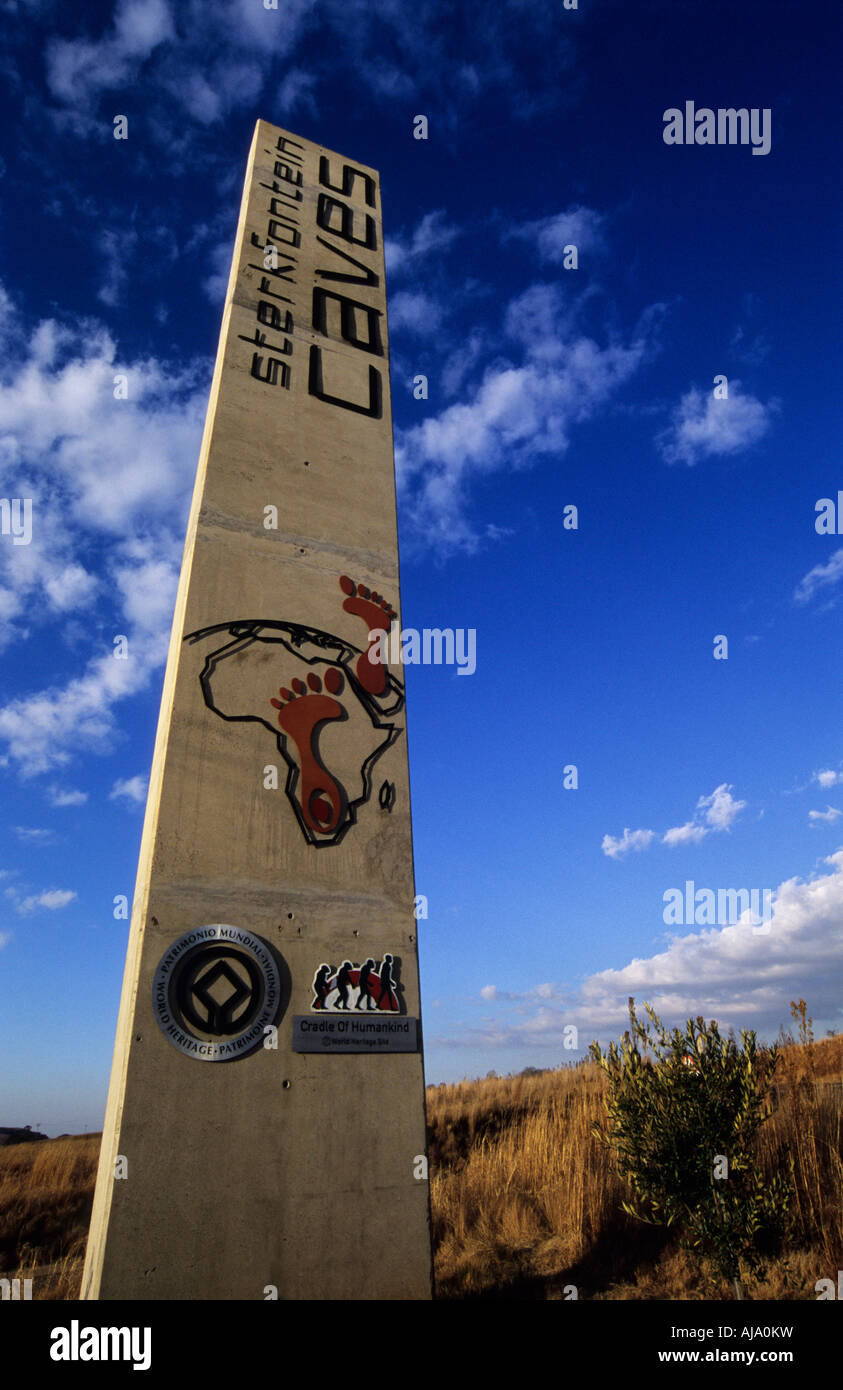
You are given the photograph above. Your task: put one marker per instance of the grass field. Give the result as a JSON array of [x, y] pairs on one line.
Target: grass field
[[526, 1203], [46, 1192], [525, 1200]]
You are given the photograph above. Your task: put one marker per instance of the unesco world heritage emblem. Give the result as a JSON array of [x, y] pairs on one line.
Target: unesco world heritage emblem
[[215, 992]]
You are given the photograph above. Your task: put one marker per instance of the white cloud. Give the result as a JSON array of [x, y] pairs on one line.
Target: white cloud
[[542, 320], [37, 741], [5, 938], [702, 426], [740, 974], [33, 834], [578, 226], [831, 814], [210, 245], [191, 58], [110, 481], [77, 69], [827, 777], [106, 457], [215, 62], [140, 25], [66, 798], [721, 809], [146, 576], [52, 899], [115, 250], [433, 233], [820, 577], [630, 840], [202, 101], [751, 350], [519, 411], [492, 994], [462, 362], [713, 813], [273, 32], [131, 789], [741, 977], [296, 92], [688, 834], [417, 312]]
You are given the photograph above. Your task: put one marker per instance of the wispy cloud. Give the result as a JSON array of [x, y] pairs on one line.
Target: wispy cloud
[[703, 427], [740, 977], [78, 69], [69, 797], [720, 809], [116, 248], [492, 994], [831, 814], [296, 92], [130, 789], [716, 812], [635, 840], [578, 226], [110, 478], [750, 350], [523, 408], [52, 900], [432, 234], [217, 60], [416, 312], [37, 741], [691, 833], [820, 578]]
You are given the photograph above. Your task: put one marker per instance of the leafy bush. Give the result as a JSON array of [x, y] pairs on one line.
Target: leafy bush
[[684, 1110]]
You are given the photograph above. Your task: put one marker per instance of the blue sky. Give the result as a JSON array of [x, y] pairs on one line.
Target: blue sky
[[548, 387]]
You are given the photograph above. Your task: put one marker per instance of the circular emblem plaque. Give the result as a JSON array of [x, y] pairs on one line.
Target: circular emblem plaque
[[215, 991]]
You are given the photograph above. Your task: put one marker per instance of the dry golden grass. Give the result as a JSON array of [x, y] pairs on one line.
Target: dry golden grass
[[46, 1192], [525, 1201]]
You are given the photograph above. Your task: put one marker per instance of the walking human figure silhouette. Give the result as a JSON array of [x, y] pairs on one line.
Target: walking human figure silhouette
[[343, 982], [365, 971], [320, 986], [388, 999]]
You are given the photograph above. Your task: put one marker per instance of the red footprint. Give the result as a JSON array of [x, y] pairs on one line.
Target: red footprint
[[301, 716], [377, 614]]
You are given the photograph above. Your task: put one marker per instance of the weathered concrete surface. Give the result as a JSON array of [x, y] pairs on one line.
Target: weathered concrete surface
[[277, 1169]]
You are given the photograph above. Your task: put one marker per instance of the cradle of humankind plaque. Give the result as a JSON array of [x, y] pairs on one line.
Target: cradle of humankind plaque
[[357, 1008], [270, 1015]]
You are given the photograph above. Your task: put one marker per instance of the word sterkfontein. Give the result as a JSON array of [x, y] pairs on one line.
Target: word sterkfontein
[[720, 127], [430, 647], [703, 907]]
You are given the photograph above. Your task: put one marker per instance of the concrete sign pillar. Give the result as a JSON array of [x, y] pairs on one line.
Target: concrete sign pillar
[[265, 1127]]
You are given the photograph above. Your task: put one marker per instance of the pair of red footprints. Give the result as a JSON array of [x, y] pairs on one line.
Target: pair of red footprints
[[322, 802]]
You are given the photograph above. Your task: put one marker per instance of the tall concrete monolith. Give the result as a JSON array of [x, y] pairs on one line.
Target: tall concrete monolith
[[265, 1126]]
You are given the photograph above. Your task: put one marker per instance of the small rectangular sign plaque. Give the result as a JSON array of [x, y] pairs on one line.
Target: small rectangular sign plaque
[[338, 1033]]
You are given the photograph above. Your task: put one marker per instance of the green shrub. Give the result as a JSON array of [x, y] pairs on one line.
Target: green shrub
[[684, 1110]]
